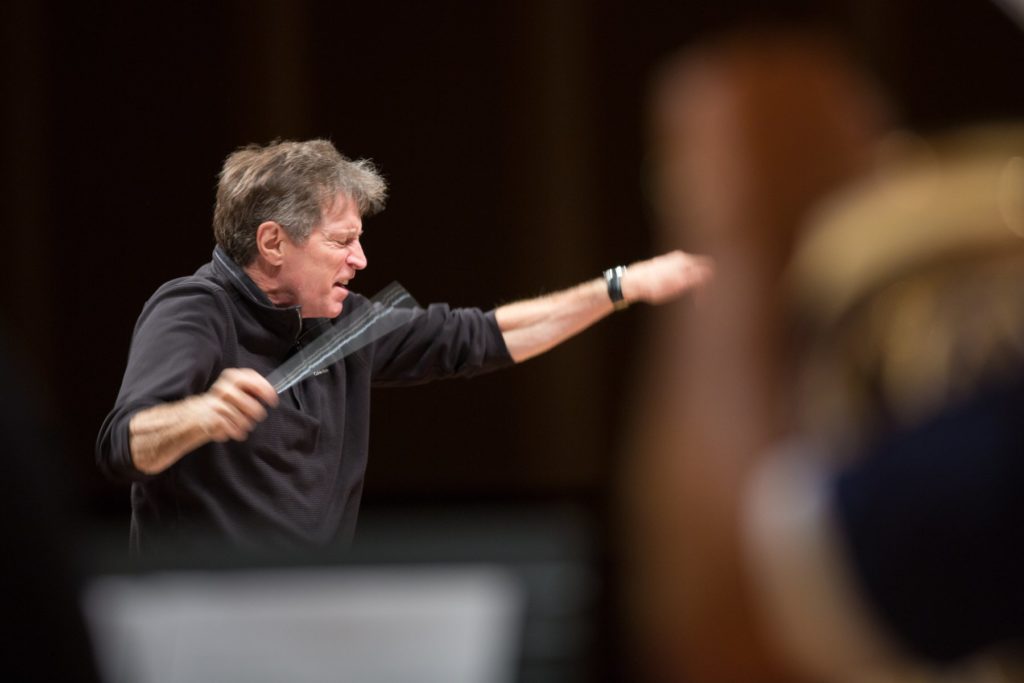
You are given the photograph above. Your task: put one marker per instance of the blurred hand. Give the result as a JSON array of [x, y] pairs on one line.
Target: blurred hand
[[234, 405], [665, 277]]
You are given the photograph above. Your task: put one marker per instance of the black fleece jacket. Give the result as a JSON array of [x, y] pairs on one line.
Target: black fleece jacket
[[298, 478]]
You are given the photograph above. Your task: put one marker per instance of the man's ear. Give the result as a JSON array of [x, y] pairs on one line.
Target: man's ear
[[270, 238]]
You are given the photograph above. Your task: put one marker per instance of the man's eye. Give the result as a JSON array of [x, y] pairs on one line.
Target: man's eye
[[345, 243]]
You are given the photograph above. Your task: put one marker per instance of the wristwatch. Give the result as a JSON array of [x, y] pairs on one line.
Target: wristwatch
[[613, 278]]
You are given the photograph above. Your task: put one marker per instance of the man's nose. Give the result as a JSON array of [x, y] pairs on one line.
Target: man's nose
[[356, 256]]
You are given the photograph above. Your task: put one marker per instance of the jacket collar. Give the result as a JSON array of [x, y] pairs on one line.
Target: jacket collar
[[284, 321]]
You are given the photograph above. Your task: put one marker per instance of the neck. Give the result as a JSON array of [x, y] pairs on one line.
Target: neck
[[265, 276]]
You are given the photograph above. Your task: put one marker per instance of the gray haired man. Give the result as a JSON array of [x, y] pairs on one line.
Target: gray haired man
[[209, 445]]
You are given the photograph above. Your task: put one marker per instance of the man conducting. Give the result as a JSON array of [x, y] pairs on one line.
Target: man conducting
[[207, 442]]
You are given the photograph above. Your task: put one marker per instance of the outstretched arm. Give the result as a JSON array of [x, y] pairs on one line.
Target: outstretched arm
[[533, 326]]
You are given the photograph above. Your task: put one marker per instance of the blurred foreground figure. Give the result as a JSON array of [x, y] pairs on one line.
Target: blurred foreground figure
[[888, 536], [749, 134], [885, 536]]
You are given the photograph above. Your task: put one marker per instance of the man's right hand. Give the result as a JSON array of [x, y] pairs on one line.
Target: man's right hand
[[231, 409], [234, 405]]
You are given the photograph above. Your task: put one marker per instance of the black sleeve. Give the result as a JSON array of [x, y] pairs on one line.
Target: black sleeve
[[934, 523], [176, 352], [439, 342]]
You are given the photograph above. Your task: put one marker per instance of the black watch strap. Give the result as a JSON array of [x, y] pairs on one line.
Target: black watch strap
[[613, 278]]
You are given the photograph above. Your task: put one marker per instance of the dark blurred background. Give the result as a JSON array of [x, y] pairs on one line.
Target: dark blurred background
[[512, 134]]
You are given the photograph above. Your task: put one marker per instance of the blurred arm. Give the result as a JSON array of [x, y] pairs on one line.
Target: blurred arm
[[800, 568]]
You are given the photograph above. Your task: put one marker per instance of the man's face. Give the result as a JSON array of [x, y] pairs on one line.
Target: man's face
[[316, 273]]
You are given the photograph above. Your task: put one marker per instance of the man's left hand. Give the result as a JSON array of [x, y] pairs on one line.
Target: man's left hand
[[665, 277]]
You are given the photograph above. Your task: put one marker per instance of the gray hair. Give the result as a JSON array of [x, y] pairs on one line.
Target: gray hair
[[289, 183]]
